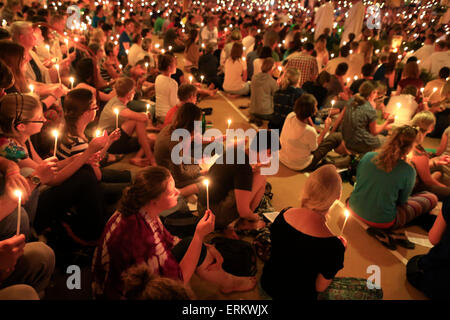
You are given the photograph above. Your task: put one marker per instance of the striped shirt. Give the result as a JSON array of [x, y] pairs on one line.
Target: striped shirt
[[70, 146]]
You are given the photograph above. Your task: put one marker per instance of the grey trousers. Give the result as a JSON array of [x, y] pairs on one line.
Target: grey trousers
[[34, 268]]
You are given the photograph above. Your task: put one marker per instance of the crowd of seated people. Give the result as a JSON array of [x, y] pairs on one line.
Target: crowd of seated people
[[76, 99]]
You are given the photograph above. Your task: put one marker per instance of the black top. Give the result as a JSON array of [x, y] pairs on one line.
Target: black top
[[227, 177], [296, 259], [170, 37], [283, 104], [317, 91], [207, 65]]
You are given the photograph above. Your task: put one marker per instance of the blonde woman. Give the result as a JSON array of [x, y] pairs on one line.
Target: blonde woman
[[319, 255], [384, 184], [284, 99], [428, 169]]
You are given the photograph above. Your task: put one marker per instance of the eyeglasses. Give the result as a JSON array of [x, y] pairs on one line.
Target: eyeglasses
[[32, 121]]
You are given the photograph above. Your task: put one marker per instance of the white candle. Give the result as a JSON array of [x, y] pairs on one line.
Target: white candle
[[229, 123], [190, 79], [71, 79], [18, 194], [332, 105], [116, 111], [202, 77], [66, 41], [148, 108], [57, 69], [55, 134], [206, 183], [31, 88], [347, 214]]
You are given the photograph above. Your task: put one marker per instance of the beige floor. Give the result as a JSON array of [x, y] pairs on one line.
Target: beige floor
[[362, 251]]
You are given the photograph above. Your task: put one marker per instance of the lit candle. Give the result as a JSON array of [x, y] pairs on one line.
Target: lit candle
[[399, 105], [48, 48], [146, 65], [71, 79], [148, 107], [163, 51], [434, 90], [347, 214], [66, 41], [348, 81], [190, 79], [31, 87], [98, 133], [332, 106], [57, 69], [116, 111], [202, 77], [421, 90], [55, 134], [206, 183], [229, 123], [18, 194], [170, 48]]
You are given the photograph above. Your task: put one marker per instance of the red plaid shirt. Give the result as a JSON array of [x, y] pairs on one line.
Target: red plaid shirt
[[306, 65]]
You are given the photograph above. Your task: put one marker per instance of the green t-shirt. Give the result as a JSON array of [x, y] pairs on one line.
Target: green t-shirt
[[158, 24], [377, 193]]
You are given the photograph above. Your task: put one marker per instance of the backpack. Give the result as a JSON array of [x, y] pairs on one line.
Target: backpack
[[239, 258]]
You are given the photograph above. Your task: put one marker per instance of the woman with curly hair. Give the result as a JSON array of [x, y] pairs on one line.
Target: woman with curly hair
[[384, 183]]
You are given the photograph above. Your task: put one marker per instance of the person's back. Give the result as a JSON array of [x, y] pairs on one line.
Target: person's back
[[166, 94], [207, 65], [283, 104], [355, 128], [233, 75], [377, 192], [263, 87], [297, 141], [293, 275]]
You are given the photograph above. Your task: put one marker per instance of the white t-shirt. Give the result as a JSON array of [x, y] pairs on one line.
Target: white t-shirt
[[248, 42], [135, 54], [107, 119], [297, 140], [233, 75], [257, 64], [166, 91], [436, 62]]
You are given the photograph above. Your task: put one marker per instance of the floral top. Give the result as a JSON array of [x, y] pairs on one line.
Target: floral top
[[127, 241], [11, 150]]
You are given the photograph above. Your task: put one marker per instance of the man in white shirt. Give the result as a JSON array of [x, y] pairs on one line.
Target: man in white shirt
[[249, 41], [166, 88], [209, 33], [354, 21], [427, 50], [343, 57], [324, 18], [439, 59], [435, 95]]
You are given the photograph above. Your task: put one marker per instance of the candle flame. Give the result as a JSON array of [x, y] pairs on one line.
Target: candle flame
[[116, 111], [346, 213], [18, 193], [206, 182], [55, 133]]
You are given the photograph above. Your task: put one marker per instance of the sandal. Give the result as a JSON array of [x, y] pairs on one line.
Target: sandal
[[403, 241], [382, 237], [105, 162]]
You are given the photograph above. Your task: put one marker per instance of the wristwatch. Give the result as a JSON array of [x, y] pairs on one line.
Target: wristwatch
[[29, 173]]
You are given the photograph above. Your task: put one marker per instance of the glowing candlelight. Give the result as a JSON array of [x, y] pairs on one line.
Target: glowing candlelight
[[57, 69], [170, 48], [421, 90], [18, 194], [434, 90], [399, 105], [116, 111], [55, 133], [202, 77], [66, 41], [148, 107], [229, 123], [48, 48], [31, 87], [347, 214], [190, 79], [332, 106], [146, 65], [71, 79], [206, 183], [98, 133]]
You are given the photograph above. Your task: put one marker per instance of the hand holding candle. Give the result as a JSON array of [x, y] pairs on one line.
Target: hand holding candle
[[72, 80]]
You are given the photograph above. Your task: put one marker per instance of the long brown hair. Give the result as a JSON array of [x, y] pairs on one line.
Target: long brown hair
[[236, 51], [13, 55], [361, 97], [77, 102], [396, 147], [148, 185]]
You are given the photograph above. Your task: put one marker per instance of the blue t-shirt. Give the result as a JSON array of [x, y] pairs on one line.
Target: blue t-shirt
[[377, 193], [124, 37]]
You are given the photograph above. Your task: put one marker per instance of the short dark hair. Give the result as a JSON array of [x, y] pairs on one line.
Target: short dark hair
[[444, 73], [367, 69], [308, 46], [305, 106], [185, 117], [186, 91], [4, 34], [164, 62], [341, 69], [345, 51]]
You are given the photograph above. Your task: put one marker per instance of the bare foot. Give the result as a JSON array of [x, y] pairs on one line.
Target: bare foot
[[139, 162], [239, 284], [212, 92]]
